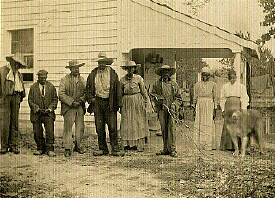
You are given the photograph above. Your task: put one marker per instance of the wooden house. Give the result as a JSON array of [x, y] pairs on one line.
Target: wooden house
[[50, 33]]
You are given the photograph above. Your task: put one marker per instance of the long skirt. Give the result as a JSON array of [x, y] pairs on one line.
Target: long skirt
[[204, 125], [133, 127], [232, 103]]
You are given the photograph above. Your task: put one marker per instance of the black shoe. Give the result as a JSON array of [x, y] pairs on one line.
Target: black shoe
[[67, 153], [162, 153], [79, 150], [14, 150], [127, 148], [100, 153]]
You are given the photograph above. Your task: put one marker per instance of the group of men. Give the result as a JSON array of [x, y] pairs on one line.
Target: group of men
[[101, 91]]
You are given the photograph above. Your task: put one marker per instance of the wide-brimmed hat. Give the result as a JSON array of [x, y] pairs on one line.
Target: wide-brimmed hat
[[159, 70], [127, 64], [103, 58], [18, 57], [206, 70], [74, 63]]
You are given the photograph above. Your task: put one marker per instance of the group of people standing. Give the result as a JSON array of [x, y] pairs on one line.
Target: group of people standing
[[105, 94], [233, 96]]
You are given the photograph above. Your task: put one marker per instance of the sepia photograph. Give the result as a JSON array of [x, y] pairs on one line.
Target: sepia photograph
[[137, 98]]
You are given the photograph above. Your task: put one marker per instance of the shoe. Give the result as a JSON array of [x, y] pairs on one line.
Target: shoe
[[67, 153], [14, 150], [3, 151], [118, 153], [162, 153], [173, 154], [79, 150], [51, 154], [100, 153], [38, 152]]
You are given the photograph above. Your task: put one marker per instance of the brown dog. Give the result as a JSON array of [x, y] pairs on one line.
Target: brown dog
[[245, 124]]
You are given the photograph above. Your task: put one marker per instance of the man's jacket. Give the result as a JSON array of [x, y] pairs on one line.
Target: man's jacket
[[37, 101], [115, 94], [70, 92], [6, 87]]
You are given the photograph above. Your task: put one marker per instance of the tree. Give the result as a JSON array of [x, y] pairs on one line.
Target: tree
[[269, 19]]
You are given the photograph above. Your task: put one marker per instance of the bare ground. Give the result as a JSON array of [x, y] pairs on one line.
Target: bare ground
[[192, 174]]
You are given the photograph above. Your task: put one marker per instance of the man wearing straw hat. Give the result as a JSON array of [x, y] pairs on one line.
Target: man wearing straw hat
[[167, 98], [43, 101], [72, 97], [104, 97], [12, 92]]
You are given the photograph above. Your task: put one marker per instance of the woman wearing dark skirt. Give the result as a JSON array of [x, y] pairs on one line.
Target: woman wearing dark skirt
[[233, 97]]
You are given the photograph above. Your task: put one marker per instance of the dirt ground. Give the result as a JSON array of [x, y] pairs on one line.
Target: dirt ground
[[192, 174]]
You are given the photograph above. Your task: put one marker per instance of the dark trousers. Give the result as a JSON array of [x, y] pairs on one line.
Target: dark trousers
[[168, 130], [9, 120], [44, 144], [104, 116]]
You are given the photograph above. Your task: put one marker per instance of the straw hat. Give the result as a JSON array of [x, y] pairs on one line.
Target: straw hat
[[18, 57], [159, 70], [103, 58], [127, 64], [74, 63]]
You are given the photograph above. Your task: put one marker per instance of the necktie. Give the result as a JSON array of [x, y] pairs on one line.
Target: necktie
[[43, 90]]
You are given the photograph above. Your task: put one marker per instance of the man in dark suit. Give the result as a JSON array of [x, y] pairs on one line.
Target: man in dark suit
[[103, 95], [12, 92], [43, 101]]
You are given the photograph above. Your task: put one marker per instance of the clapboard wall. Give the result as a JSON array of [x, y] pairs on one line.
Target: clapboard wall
[[63, 30]]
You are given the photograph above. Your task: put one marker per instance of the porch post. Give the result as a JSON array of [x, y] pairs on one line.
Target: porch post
[[237, 65]]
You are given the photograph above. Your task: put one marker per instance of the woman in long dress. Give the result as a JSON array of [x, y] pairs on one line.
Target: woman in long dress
[[133, 127], [205, 102], [233, 97]]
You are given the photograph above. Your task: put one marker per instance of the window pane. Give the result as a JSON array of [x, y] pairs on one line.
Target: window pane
[[22, 41]]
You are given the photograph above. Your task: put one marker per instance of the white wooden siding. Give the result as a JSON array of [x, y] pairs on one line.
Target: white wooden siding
[[64, 30]]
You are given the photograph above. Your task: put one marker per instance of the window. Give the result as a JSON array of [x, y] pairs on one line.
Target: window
[[22, 41]]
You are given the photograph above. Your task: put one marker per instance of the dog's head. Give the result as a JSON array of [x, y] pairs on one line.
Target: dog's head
[[236, 115]]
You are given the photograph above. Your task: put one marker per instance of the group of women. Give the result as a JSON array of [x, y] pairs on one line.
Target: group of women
[[233, 96]]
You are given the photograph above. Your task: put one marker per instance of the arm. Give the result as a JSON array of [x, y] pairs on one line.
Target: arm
[[196, 94], [118, 88], [223, 97], [143, 91], [83, 98], [214, 93], [54, 102], [63, 97], [34, 107], [89, 95], [244, 97]]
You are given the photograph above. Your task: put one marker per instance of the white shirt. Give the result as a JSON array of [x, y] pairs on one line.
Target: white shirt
[[14, 77], [41, 87], [236, 90], [102, 83]]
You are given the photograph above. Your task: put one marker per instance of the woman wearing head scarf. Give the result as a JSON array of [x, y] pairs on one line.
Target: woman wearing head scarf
[[205, 102], [133, 127], [233, 97]]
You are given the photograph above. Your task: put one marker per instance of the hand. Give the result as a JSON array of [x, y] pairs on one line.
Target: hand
[[93, 100], [37, 110], [173, 107]]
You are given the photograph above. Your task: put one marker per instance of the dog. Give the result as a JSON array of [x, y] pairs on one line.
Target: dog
[[245, 124]]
